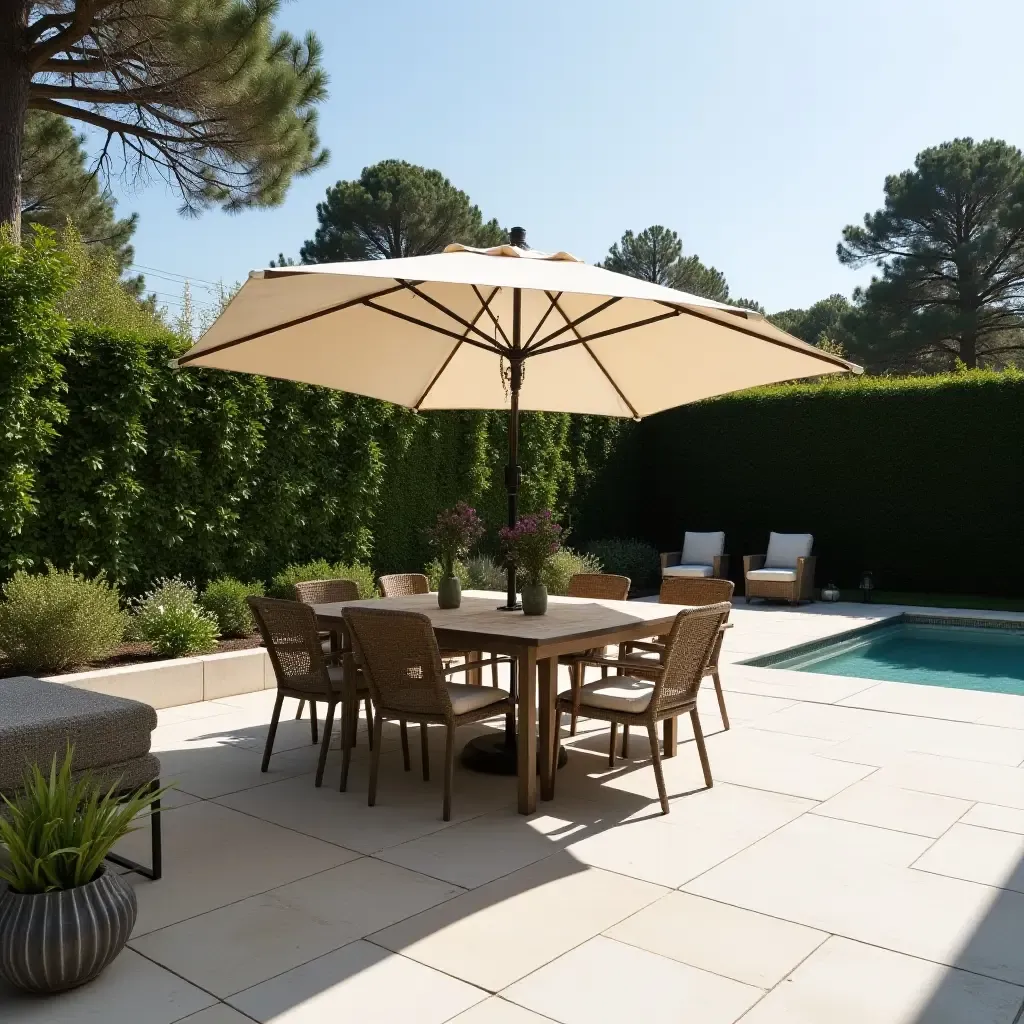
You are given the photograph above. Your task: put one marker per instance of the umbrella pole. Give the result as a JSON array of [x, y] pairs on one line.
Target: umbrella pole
[[513, 474]]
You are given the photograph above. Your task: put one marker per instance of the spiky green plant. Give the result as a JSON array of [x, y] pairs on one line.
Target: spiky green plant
[[58, 829]]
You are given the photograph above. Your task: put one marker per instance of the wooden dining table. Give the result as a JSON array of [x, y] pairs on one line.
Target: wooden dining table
[[571, 625]]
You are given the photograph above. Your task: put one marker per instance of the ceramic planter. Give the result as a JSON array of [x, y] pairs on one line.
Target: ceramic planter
[[53, 941], [535, 598], [449, 592]]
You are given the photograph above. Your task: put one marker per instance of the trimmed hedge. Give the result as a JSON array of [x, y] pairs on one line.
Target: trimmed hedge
[[918, 479]]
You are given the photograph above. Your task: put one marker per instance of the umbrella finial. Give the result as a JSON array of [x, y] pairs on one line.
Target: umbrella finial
[[517, 237]]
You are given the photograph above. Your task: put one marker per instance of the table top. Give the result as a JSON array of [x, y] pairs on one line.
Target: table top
[[567, 618]]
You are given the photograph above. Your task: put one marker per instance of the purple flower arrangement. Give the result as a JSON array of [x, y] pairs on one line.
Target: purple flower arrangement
[[530, 544], [453, 534]]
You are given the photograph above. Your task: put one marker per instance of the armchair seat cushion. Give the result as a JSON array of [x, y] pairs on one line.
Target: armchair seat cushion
[[466, 698], [785, 548], [772, 575], [702, 548], [688, 570], [618, 693]]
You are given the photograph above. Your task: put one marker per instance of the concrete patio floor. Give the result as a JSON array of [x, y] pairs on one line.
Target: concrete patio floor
[[860, 860]]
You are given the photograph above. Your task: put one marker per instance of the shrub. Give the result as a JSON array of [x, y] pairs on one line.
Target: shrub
[[55, 620], [633, 558], [320, 569], [225, 598], [483, 574], [564, 565], [435, 573], [169, 617]]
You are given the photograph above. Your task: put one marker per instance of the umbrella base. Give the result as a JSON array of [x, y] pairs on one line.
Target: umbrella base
[[495, 755], [517, 607]]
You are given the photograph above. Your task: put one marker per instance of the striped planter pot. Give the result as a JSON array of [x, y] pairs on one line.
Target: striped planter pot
[[54, 941]]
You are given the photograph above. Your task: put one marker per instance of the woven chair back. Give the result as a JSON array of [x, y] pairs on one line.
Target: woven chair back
[[326, 591], [289, 631], [695, 590], [404, 584], [601, 585], [401, 662], [687, 652]]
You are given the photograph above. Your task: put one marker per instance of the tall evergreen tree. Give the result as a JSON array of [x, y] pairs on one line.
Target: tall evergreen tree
[[950, 245]]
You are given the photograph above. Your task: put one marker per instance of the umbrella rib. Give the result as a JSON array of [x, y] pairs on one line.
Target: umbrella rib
[[571, 325], [487, 306], [608, 333], [451, 355], [433, 327], [365, 300], [540, 323], [450, 312]]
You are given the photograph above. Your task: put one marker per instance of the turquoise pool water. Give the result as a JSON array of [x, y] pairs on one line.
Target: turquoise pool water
[[961, 657]]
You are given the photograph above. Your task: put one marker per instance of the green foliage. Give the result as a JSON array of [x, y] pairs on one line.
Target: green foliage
[[453, 533], [57, 619], [320, 569], [482, 573], [395, 209], [636, 559], [171, 619], [950, 244], [224, 598], [825, 324], [531, 544], [58, 828], [32, 336], [565, 564], [917, 479], [435, 572]]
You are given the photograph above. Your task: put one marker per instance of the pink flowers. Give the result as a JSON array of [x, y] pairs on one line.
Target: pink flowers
[[454, 533], [531, 543]]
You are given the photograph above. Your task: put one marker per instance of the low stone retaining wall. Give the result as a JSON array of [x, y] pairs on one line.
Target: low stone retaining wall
[[166, 684]]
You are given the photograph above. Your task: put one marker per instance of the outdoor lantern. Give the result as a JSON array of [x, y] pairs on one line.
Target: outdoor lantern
[[830, 593], [867, 584]]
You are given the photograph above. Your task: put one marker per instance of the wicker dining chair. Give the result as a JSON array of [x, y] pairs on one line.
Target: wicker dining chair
[[689, 590], [327, 592], [402, 663], [603, 587], [627, 699], [408, 584], [303, 670]]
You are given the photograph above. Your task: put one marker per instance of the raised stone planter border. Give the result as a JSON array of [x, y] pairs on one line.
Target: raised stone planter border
[[166, 684]]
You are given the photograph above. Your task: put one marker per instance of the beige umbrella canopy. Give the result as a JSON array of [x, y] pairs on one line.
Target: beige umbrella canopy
[[424, 331]]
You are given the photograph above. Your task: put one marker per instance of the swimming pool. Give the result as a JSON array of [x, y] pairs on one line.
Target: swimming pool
[[967, 654]]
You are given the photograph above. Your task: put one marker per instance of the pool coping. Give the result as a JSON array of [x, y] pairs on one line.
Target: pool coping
[[912, 618]]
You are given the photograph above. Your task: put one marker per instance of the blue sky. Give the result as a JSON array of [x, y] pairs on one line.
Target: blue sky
[[755, 129]]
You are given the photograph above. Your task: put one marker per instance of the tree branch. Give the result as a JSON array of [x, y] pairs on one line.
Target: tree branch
[[108, 124], [81, 21]]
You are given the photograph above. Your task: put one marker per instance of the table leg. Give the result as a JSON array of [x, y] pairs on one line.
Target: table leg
[[671, 731], [526, 733], [473, 675], [547, 678]]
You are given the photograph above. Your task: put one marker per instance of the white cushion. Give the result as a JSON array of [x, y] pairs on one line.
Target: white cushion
[[702, 548], [687, 570], [467, 698], [785, 548], [773, 575], [617, 693]]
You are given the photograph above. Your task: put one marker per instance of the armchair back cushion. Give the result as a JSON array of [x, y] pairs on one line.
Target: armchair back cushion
[[702, 548], [785, 548]]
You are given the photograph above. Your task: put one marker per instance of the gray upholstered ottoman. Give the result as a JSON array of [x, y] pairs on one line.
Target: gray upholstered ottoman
[[111, 737]]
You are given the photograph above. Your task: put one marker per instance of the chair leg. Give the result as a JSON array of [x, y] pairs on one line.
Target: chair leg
[[312, 720], [449, 770], [404, 729], [625, 741], [611, 745], [721, 697], [156, 869], [300, 709], [698, 735], [424, 751], [494, 675], [273, 731], [368, 705], [556, 729], [349, 725], [325, 744], [577, 683], [659, 775], [371, 796]]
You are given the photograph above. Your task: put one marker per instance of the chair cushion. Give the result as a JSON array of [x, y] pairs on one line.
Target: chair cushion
[[702, 548], [617, 693], [39, 719], [687, 570], [466, 698], [773, 575], [785, 548]]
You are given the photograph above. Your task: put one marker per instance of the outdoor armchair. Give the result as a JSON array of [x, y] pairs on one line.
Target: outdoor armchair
[[627, 699], [703, 554], [785, 573]]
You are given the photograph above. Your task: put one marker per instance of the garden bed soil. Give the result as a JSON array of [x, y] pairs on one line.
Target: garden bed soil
[[139, 654]]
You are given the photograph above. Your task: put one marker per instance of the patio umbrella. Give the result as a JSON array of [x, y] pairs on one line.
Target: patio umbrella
[[507, 327]]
